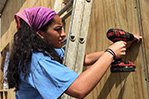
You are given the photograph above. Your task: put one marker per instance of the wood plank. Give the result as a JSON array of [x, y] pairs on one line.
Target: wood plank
[[3, 57], [108, 14], [6, 38], [8, 93], [143, 15], [11, 94], [2, 3]]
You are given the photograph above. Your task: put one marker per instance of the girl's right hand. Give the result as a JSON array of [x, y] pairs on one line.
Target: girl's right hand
[[119, 49]]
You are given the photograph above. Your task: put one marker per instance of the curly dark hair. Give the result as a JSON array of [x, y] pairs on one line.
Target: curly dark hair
[[27, 41]]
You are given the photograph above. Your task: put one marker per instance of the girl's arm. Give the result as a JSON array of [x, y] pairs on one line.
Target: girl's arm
[[90, 59], [89, 78]]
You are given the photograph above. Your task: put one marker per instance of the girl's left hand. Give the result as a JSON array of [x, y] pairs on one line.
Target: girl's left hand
[[136, 38]]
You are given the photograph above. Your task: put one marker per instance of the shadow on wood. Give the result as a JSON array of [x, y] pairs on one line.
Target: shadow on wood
[[116, 79], [113, 77]]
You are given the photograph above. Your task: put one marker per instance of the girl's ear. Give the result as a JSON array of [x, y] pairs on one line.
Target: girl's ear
[[40, 33]]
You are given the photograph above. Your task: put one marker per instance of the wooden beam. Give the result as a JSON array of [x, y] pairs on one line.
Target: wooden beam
[[7, 94], [6, 38], [143, 24], [2, 3], [3, 57]]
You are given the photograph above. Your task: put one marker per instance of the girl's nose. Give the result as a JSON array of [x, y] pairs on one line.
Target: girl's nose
[[63, 34]]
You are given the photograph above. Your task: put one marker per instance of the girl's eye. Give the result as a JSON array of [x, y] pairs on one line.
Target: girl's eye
[[59, 29]]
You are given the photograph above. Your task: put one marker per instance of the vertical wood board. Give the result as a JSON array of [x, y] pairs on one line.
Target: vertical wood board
[[121, 14], [143, 23]]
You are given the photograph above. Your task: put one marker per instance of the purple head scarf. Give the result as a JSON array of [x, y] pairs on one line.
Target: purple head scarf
[[35, 17]]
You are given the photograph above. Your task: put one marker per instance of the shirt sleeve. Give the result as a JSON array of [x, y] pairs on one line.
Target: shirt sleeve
[[51, 78]]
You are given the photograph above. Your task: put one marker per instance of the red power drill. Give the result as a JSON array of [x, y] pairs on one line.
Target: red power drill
[[119, 65]]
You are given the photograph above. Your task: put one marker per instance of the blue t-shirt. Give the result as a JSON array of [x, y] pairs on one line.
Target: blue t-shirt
[[47, 79]]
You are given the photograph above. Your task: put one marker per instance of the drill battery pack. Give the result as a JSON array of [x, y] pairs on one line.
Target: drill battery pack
[[122, 66]]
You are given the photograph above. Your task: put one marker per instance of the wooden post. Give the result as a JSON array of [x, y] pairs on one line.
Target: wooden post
[[143, 30], [3, 56]]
